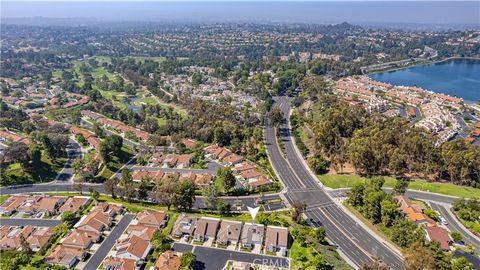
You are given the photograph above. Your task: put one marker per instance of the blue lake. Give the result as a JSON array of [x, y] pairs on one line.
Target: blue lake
[[458, 77]]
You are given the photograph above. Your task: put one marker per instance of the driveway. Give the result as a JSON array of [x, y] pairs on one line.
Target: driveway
[[108, 243], [30, 221], [215, 259]]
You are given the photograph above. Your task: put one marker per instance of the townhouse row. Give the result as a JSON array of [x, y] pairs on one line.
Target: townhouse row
[[89, 136], [39, 206], [247, 173], [200, 179], [7, 136], [226, 233], [115, 125], [179, 161]]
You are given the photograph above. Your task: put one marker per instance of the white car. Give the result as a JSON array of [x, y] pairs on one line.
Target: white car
[[442, 220]]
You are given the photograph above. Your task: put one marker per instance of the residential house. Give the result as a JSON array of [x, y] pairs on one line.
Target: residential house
[[143, 232], [244, 166], [232, 159], [50, 205], [95, 221], [200, 179], [440, 235], [259, 182], [222, 153], [184, 225], [168, 260], [229, 232], [74, 204], [133, 248], [12, 239], [11, 205], [138, 175], [113, 263], [66, 256], [80, 238], [109, 209], [154, 219], [4, 229], [184, 161], [250, 175], [206, 229], [13, 137], [252, 235], [29, 205], [157, 158], [169, 161], [189, 143], [418, 218], [39, 237], [203, 179], [276, 239]]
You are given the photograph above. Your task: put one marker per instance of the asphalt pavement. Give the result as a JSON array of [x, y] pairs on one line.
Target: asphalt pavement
[[107, 244], [67, 172], [241, 201], [209, 258], [30, 221], [352, 239], [454, 225]]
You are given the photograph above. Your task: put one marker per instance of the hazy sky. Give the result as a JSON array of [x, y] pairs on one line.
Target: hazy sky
[[435, 12]]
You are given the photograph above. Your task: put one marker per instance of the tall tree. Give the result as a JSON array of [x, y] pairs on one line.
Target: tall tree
[[418, 257], [376, 265], [401, 186], [226, 177], [298, 209], [144, 188], [35, 155], [210, 194], [276, 115], [111, 186], [166, 191], [24, 246], [17, 152], [389, 211], [186, 195], [127, 184]]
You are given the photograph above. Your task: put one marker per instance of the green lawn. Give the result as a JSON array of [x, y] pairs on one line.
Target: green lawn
[[98, 72], [301, 256], [57, 74], [344, 181], [102, 59], [3, 198], [146, 100], [45, 172], [142, 58], [116, 163]]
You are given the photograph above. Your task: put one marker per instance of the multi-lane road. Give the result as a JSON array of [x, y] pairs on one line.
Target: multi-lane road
[[358, 245], [355, 242]]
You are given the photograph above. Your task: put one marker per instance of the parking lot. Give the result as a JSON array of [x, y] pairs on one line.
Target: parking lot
[[209, 258]]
